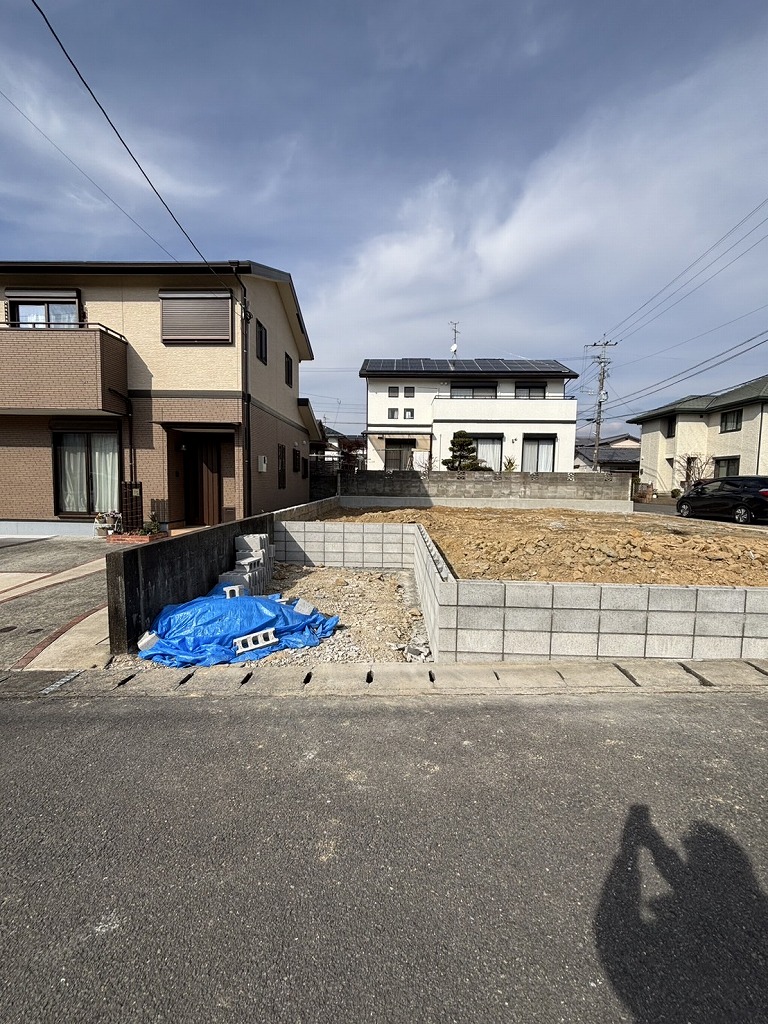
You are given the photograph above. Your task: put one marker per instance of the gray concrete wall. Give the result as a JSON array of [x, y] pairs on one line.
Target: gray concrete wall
[[492, 621], [596, 491], [143, 579]]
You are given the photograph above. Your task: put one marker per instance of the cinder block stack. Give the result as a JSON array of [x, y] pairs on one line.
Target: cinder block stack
[[254, 557]]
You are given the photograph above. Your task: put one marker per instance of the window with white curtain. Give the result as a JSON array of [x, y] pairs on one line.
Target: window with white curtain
[[87, 472], [538, 454], [489, 451]]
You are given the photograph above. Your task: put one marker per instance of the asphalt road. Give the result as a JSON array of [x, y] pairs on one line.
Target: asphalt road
[[590, 859]]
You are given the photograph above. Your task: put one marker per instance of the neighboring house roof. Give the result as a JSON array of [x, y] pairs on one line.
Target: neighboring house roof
[[281, 278], [610, 456], [755, 390], [531, 368], [310, 421]]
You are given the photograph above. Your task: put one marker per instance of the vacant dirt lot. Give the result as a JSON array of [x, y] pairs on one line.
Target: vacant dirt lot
[[548, 545]]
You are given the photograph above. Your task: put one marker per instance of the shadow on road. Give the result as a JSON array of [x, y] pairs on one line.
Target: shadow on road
[[698, 952]]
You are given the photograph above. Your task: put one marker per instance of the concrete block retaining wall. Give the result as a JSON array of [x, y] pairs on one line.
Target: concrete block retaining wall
[[604, 492], [491, 621]]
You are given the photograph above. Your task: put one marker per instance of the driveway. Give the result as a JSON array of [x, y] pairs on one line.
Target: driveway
[[46, 585], [592, 860]]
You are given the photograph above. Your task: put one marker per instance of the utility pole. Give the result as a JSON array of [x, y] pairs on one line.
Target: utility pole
[[603, 362]]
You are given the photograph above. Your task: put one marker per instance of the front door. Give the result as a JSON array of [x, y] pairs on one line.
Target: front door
[[202, 480]]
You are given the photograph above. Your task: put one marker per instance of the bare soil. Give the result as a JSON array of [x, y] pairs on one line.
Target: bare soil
[[560, 545]]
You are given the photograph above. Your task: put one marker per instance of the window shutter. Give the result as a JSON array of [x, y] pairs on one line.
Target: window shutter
[[196, 317]]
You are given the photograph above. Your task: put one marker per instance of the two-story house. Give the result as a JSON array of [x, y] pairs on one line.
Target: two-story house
[[516, 411], [721, 434], [165, 388]]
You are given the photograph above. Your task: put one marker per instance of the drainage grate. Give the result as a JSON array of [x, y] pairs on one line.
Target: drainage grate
[[7, 629]]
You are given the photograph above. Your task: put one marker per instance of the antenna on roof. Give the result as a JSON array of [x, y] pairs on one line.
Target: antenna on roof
[[456, 332]]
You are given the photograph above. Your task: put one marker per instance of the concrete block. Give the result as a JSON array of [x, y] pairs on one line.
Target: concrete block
[[337, 680], [566, 645], [622, 621], [480, 641], [534, 619], [254, 641], [757, 600], [480, 618], [481, 593], [473, 657], [621, 645], [593, 676], [716, 647], [528, 595], [719, 624], [148, 640], [237, 590], [304, 607], [447, 591], [669, 646], [525, 642], [674, 623], [623, 598], [575, 595], [575, 620], [754, 647], [671, 599], [729, 674], [721, 599], [447, 616], [657, 674]]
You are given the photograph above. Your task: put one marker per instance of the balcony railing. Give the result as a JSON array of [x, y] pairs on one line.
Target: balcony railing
[[62, 367]]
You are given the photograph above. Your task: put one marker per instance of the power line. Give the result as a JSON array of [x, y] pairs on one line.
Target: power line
[[701, 283], [127, 148], [695, 370], [679, 344], [86, 176], [691, 265]]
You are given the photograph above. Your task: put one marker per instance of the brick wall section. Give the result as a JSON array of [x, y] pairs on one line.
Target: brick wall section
[[505, 487], [490, 621], [26, 468], [67, 369]]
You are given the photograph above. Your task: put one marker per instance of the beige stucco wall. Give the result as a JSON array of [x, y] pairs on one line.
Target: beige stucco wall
[[700, 434]]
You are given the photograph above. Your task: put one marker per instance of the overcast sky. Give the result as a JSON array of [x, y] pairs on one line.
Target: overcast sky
[[533, 169]]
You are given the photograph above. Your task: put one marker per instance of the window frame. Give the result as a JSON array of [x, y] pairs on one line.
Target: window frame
[[728, 463], [262, 343], [734, 416], [282, 468], [47, 297], [409, 414], [393, 391], [409, 391], [288, 370], [392, 414], [182, 331], [473, 389], [87, 431], [530, 386], [669, 426], [296, 459]]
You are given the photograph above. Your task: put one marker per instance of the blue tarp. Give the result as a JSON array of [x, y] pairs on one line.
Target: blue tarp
[[201, 632]]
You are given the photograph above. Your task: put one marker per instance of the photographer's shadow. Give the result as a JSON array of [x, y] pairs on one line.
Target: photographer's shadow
[[697, 954]]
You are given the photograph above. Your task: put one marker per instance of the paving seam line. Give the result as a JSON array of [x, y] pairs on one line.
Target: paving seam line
[[33, 584], [40, 647]]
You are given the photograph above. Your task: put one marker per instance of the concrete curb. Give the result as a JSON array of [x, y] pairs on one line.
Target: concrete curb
[[633, 679]]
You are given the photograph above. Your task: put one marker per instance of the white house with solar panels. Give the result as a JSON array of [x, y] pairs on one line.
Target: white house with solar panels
[[513, 409]]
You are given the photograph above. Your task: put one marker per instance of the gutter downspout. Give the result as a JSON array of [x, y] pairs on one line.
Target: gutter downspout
[[759, 439], [246, 318]]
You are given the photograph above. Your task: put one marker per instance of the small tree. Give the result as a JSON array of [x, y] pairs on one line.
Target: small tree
[[692, 466], [463, 453]]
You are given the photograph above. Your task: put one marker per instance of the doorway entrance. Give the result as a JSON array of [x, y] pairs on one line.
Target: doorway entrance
[[202, 479]]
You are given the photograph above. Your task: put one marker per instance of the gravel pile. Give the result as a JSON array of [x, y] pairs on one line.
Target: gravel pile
[[379, 615]]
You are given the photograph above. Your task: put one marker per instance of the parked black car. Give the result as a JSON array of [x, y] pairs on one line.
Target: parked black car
[[742, 498]]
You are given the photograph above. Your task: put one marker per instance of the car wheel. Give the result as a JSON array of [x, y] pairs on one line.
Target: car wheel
[[684, 509], [742, 515]]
